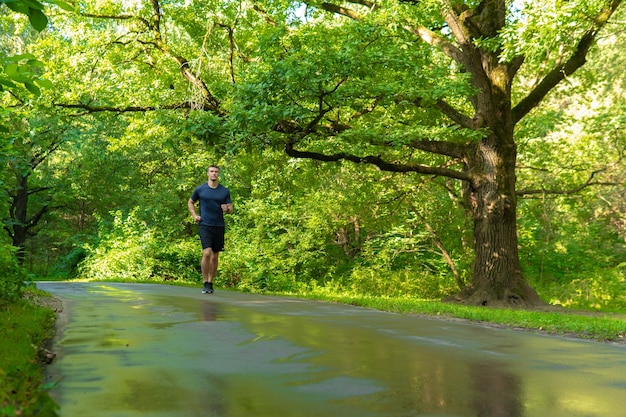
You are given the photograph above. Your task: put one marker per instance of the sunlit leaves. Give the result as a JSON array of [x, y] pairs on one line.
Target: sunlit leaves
[[336, 71], [35, 10], [367, 87], [32, 8], [547, 32], [22, 69], [577, 239]]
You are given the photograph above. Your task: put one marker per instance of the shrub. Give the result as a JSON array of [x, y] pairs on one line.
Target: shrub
[[179, 259], [68, 264], [599, 289], [12, 278], [128, 249], [400, 283]]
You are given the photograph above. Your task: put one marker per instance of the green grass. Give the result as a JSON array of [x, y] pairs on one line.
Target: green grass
[[24, 330], [565, 322]]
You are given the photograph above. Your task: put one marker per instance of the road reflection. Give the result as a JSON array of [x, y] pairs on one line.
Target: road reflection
[[496, 392], [208, 310]]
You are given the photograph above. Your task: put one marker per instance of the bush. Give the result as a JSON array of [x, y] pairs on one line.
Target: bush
[[12, 278], [68, 264], [400, 283], [176, 260], [128, 249], [599, 289]]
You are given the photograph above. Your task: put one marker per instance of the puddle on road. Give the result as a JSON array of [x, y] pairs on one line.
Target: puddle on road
[[165, 351]]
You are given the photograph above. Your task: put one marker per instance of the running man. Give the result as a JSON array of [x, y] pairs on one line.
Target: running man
[[214, 201]]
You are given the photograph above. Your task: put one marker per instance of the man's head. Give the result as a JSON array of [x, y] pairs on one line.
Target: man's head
[[213, 172]]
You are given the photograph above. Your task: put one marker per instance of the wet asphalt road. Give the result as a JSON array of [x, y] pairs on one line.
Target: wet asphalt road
[[129, 350]]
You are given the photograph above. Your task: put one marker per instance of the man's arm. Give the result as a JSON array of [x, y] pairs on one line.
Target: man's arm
[[191, 205]]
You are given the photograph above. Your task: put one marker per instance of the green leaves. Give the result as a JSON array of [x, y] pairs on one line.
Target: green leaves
[[22, 69], [35, 10], [365, 87], [19, 69], [546, 33], [31, 8]]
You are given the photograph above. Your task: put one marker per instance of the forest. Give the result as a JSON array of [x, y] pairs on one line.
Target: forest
[[471, 151]]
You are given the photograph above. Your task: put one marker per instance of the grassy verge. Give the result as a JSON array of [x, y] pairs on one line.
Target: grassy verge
[[604, 327], [24, 330]]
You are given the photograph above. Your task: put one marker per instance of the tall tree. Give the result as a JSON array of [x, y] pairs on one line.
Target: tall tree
[[434, 88], [33, 140], [474, 37]]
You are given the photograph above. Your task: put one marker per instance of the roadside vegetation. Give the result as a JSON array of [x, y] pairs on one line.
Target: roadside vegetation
[[25, 331], [580, 324]]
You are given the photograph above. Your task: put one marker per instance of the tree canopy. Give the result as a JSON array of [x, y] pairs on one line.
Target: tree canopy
[[449, 108]]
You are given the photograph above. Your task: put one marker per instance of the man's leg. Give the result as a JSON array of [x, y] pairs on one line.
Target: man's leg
[[205, 265], [209, 267], [214, 257], [210, 238]]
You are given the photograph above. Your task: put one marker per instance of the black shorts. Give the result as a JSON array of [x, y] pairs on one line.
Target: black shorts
[[211, 237]]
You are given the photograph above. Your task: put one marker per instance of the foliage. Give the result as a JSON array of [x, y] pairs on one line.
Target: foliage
[[24, 330], [12, 278], [35, 10], [23, 69], [129, 249], [575, 261], [136, 138], [392, 82], [573, 242], [299, 224]]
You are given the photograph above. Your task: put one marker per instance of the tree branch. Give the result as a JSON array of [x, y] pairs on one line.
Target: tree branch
[[210, 103], [39, 157], [377, 161], [453, 150], [112, 16], [130, 109], [453, 114], [333, 8], [563, 70], [268, 18], [36, 217], [574, 190], [231, 48], [433, 39], [369, 4]]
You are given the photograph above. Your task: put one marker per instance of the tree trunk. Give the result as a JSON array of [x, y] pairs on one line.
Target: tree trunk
[[491, 166], [19, 210], [498, 279]]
